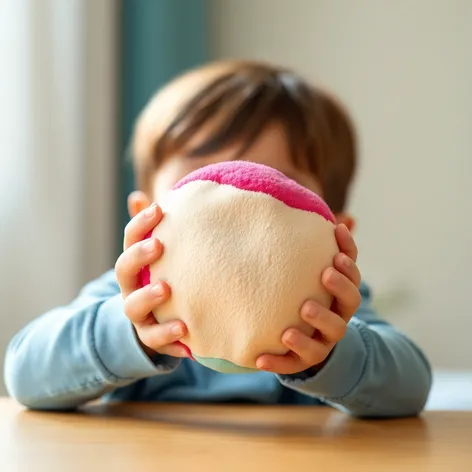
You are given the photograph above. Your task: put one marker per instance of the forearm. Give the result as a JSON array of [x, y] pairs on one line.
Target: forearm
[[75, 354], [375, 371]]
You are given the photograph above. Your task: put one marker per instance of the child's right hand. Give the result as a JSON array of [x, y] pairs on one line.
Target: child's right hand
[[139, 302]]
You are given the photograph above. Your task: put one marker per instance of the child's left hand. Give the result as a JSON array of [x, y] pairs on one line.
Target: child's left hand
[[342, 281]]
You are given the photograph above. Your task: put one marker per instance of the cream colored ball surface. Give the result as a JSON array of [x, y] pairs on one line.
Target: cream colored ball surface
[[244, 248]]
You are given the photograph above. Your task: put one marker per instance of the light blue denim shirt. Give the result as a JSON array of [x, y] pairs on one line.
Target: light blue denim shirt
[[88, 350]]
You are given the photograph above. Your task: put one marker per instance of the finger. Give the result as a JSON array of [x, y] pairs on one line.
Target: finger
[[141, 302], [310, 351], [330, 326], [344, 264], [139, 226], [131, 261], [173, 350], [346, 294], [346, 242], [157, 336], [285, 365]]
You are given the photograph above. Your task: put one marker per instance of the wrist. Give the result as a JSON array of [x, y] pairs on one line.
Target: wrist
[[117, 345]]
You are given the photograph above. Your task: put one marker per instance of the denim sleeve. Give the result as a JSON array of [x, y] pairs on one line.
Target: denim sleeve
[[374, 371], [78, 352]]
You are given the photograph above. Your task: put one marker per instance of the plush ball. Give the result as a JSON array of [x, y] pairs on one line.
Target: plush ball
[[244, 248]]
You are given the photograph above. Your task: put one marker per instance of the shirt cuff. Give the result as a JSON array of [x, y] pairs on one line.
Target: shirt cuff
[[118, 348], [343, 371]]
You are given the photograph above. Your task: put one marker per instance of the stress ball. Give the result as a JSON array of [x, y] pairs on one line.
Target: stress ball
[[244, 248]]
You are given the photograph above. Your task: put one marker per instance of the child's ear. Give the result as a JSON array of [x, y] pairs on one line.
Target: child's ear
[[347, 219], [137, 202]]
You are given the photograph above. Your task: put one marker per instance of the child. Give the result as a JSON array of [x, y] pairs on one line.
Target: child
[[105, 344]]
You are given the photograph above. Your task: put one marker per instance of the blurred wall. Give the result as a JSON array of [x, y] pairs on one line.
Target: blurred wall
[[57, 155], [405, 70]]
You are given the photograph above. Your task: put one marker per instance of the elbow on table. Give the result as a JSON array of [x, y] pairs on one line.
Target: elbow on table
[[418, 389], [408, 399], [421, 390], [19, 377]]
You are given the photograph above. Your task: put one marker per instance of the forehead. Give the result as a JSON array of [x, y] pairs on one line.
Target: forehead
[[271, 148]]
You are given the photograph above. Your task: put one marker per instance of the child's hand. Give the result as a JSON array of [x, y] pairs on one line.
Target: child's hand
[[342, 282], [139, 302]]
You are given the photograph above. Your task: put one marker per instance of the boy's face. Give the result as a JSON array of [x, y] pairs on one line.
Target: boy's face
[[270, 148]]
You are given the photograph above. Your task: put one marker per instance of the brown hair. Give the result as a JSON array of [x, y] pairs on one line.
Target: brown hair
[[236, 100]]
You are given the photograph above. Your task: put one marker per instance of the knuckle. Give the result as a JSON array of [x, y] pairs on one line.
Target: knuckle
[[145, 339], [128, 230], [133, 305], [128, 308], [119, 265], [340, 331], [353, 269], [354, 246], [357, 280], [358, 271], [356, 299], [354, 252], [353, 303]]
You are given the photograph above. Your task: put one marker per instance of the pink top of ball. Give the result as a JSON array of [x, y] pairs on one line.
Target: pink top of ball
[[260, 178]]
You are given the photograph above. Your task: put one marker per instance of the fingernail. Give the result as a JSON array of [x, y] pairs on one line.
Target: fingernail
[[311, 310], [177, 330], [290, 337], [157, 290], [149, 245], [333, 276], [149, 212], [262, 365]]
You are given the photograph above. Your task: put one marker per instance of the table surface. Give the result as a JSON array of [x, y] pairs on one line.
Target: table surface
[[167, 437]]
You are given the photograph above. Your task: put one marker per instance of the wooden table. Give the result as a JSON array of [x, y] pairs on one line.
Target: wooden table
[[160, 437]]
